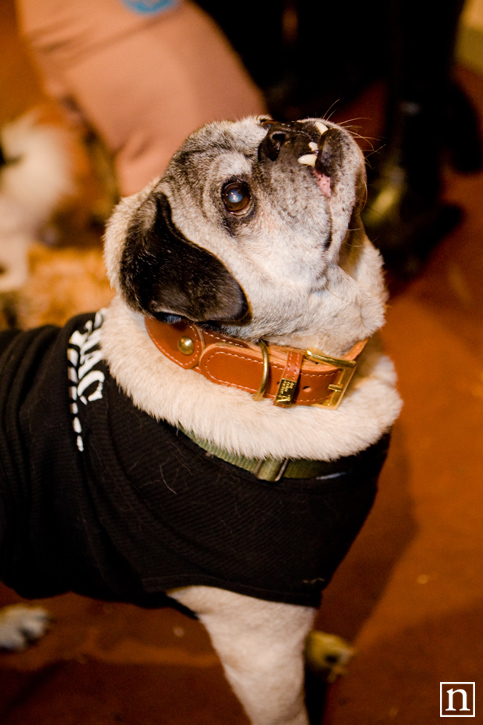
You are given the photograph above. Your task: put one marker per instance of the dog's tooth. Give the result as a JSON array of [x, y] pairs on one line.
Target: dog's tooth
[[321, 127], [313, 147], [308, 159]]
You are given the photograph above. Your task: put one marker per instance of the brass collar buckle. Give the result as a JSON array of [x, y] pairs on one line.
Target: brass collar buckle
[[346, 371], [265, 371]]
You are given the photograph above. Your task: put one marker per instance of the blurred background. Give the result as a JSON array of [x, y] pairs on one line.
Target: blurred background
[[407, 77]]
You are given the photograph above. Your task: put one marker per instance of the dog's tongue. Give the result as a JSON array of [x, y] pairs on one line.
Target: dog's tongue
[[324, 183]]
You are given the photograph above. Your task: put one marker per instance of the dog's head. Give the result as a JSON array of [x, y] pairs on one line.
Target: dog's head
[[254, 226]]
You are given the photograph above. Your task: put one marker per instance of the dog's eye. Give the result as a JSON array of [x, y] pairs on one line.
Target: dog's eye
[[236, 197]]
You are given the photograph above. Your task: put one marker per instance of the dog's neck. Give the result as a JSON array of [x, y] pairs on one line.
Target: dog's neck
[[286, 375], [347, 306], [230, 417]]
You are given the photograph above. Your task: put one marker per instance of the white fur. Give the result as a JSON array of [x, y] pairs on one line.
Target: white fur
[[31, 188], [20, 625], [261, 647], [231, 418]]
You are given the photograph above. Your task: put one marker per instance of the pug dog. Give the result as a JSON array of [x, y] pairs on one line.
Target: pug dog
[[212, 440]]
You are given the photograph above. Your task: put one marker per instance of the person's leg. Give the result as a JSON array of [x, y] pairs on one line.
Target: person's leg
[[426, 117]]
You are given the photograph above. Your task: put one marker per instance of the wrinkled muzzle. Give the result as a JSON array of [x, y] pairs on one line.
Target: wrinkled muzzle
[[309, 143]]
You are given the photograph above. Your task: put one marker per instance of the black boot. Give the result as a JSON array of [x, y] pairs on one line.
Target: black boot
[[428, 119]]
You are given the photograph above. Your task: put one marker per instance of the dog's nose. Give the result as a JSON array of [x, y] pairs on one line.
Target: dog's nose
[[283, 136], [293, 138], [276, 137]]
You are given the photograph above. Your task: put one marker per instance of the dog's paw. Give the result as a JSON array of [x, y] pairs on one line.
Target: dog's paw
[[21, 625], [328, 655]]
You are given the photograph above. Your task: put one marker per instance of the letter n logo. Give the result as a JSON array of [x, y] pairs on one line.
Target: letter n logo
[[457, 699]]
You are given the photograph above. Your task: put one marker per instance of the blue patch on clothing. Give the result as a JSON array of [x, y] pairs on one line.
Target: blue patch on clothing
[[149, 7]]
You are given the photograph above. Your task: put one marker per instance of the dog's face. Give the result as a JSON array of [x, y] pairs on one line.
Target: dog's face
[[254, 226]]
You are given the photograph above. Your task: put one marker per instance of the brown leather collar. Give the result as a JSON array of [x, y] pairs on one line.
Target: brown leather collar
[[283, 374]]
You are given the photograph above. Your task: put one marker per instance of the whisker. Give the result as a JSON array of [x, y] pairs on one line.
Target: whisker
[[352, 120], [331, 110], [373, 152], [366, 139]]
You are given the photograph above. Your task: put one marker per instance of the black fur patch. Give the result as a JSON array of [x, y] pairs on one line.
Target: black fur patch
[[164, 272]]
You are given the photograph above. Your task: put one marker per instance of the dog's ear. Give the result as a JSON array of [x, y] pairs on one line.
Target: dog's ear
[[164, 272]]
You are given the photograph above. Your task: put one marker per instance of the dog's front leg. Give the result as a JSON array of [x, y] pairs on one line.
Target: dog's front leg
[[260, 645]]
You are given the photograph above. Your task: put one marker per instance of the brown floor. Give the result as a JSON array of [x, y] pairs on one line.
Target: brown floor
[[410, 593]]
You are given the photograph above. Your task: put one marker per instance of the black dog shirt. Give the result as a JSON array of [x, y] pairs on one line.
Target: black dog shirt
[[98, 498]]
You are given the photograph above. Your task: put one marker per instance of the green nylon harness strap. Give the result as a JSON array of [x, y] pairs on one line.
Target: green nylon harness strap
[[268, 469]]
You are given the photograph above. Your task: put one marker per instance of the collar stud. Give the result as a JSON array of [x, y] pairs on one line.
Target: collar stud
[[186, 345]]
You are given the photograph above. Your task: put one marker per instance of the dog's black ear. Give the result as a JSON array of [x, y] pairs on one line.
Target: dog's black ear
[[164, 272]]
